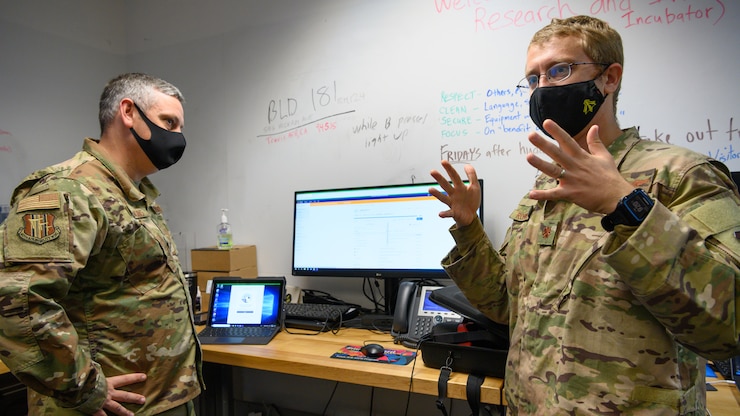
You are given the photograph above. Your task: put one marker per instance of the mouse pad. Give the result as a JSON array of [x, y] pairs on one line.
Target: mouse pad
[[398, 357]]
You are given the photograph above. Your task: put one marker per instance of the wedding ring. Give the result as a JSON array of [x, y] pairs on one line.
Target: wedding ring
[[562, 173]]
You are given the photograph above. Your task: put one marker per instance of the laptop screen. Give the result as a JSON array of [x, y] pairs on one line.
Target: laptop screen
[[248, 303]]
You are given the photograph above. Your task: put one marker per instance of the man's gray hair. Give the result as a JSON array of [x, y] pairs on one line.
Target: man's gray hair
[[136, 86]]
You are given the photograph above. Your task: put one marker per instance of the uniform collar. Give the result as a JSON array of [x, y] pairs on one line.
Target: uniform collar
[[623, 144], [145, 189]]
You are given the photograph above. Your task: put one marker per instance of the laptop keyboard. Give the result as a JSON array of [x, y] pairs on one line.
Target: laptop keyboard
[[320, 311], [244, 331]]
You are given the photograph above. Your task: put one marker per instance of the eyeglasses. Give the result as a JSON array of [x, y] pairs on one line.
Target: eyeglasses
[[556, 73]]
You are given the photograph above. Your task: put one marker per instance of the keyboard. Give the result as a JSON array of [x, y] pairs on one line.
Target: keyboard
[[328, 312], [236, 331], [725, 368]]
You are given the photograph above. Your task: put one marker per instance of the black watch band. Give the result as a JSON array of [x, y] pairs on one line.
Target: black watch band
[[631, 210]]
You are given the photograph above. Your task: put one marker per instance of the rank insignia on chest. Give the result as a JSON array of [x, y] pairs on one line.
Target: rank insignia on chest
[[548, 230], [39, 228]]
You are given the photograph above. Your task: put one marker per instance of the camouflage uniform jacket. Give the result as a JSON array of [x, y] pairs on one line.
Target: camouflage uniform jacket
[[91, 287], [613, 323]]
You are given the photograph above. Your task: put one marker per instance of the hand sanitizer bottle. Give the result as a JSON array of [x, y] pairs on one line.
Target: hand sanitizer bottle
[[225, 240]]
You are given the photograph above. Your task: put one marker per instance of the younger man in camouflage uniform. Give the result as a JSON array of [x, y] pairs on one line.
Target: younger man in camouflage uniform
[[602, 321], [94, 309]]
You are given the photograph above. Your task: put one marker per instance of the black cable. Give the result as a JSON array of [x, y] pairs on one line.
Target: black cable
[[381, 293], [339, 322], [271, 408], [336, 384], [371, 296], [372, 399], [308, 331], [381, 330], [411, 383], [368, 285]]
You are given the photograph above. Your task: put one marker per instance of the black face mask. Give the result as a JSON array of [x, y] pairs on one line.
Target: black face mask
[[572, 106], [164, 148]]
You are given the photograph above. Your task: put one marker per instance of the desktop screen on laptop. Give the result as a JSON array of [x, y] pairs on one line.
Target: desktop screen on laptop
[[245, 304]]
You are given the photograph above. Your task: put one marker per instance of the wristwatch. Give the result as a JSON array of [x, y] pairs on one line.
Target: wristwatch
[[631, 210]]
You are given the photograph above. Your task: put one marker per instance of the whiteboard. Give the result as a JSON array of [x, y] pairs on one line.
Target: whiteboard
[[328, 94]]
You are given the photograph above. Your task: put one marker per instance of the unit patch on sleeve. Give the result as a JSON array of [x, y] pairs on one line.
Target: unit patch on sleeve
[[39, 228]]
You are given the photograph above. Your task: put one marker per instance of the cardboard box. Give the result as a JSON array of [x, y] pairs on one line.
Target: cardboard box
[[215, 260], [205, 276]]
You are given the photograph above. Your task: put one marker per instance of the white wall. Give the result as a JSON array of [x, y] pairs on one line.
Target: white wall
[[52, 71], [378, 60], [391, 60]]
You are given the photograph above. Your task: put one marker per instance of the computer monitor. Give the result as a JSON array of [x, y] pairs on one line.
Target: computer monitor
[[385, 231]]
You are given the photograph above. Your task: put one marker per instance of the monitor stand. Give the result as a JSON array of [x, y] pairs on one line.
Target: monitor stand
[[382, 320]]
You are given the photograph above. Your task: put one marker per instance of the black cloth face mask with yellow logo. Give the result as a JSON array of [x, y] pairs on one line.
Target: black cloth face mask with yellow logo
[[572, 106]]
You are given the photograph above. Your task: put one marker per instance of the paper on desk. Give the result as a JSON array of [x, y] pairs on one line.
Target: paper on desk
[[398, 357]]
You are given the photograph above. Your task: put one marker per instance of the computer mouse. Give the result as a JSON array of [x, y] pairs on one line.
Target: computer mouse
[[373, 350]]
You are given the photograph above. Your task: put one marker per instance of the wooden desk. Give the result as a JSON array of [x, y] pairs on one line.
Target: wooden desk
[[725, 401], [310, 356]]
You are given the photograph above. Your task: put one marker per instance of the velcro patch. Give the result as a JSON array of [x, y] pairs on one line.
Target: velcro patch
[[718, 215], [521, 213], [548, 229], [40, 201], [39, 228]]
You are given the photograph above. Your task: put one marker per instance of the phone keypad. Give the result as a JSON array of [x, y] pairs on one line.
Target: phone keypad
[[423, 325]]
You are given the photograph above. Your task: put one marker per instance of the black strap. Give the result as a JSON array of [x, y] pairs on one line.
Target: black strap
[[472, 392], [444, 375]]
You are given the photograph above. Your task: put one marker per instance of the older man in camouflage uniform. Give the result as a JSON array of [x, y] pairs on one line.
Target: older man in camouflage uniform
[[94, 309], [603, 322]]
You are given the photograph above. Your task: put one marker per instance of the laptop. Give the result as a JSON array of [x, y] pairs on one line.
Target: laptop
[[244, 311]]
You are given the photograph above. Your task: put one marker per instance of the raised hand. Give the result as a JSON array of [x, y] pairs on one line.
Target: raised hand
[[589, 179], [463, 200]]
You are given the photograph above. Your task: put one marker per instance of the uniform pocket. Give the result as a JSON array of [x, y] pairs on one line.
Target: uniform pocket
[[144, 259]]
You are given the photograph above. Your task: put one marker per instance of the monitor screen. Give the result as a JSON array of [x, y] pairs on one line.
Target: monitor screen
[[238, 304], [379, 231]]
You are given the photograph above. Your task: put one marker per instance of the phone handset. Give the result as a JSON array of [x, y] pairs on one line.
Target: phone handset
[[402, 312], [415, 314]]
